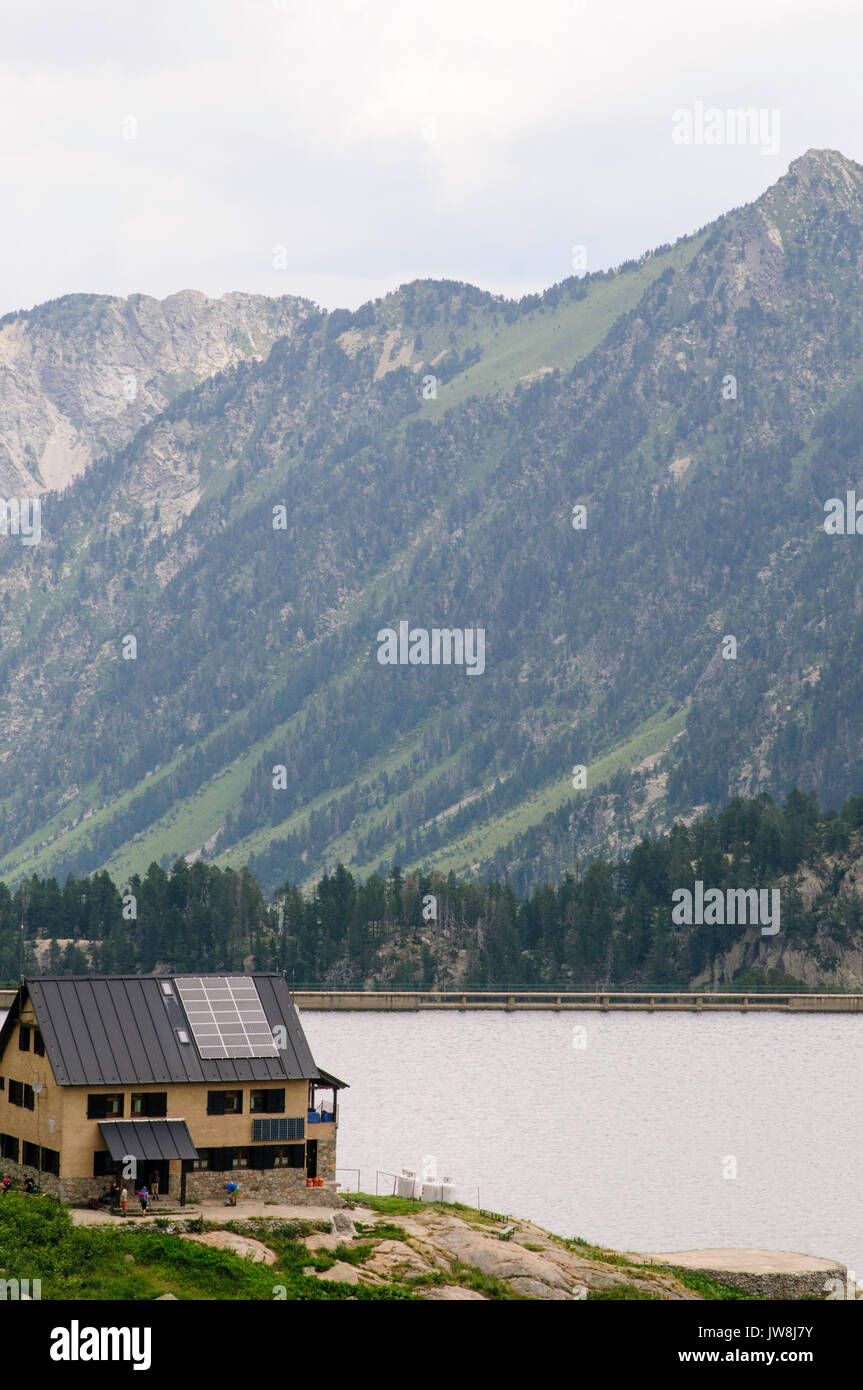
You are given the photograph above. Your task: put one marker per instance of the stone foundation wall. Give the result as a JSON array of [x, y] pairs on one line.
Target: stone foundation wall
[[262, 1185], [327, 1159], [265, 1185], [67, 1189], [19, 1171], [817, 1283]]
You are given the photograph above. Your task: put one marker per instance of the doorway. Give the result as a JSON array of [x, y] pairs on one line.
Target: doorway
[[155, 1172], [312, 1158]]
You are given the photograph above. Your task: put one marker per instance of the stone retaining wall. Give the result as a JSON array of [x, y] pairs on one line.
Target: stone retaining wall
[[809, 1284], [264, 1185]]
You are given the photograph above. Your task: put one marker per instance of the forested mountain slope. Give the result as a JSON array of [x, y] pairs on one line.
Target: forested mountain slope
[[615, 925], [427, 453]]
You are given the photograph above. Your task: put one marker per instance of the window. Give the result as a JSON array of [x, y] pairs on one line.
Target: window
[[30, 1154], [23, 1038], [2, 1083], [277, 1129], [224, 1102], [38, 1043], [103, 1164], [239, 1158], [49, 1162], [9, 1147], [272, 1102], [21, 1093], [104, 1107], [201, 1162], [289, 1156], [152, 1103]]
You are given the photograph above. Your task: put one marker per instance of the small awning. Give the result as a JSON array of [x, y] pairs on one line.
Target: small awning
[[325, 1078], [147, 1139]]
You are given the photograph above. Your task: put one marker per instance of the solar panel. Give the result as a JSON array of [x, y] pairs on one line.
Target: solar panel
[[226, 1016]]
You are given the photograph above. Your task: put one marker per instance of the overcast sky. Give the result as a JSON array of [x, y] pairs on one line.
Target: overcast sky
[[377, 141]]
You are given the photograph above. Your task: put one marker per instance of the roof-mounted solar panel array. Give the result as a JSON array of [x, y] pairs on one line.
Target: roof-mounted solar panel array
[[226, 1016]]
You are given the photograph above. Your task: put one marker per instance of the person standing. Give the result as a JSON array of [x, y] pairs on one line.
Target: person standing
[[154, 1191], [143, 1197], [124, 1197], [115, 1195]]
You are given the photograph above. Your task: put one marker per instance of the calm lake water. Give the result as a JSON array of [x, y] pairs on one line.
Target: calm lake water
[[625, 1140]]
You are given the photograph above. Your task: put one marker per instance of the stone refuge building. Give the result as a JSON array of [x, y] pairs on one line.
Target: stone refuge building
[[193, 1079]]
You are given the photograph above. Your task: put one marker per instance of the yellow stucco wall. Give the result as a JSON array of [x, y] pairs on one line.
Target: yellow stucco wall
[[77, 1137]]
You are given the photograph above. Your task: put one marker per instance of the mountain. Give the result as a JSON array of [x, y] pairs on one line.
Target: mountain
[[420, 460], [81, 375]]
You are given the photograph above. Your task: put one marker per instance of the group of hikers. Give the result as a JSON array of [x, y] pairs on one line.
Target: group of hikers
[[117, 1197], [28, 1185]]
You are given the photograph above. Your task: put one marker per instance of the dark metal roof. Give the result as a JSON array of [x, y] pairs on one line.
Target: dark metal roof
[[122, 1029], [326, 1078], [147, 1139]]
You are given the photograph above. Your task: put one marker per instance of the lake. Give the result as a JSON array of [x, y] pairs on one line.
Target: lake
[[631, 1138]]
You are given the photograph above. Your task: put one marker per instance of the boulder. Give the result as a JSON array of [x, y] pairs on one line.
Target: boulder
[[245, 1246], [395, 1260], [324, 1240], [503, 1259], [534, 1288], [450, 1293], [341, 1273]]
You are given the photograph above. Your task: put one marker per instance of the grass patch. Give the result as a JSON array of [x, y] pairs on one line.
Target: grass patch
[[385, 1230], [486, 1284], [353, 1254], [712, 1289], [598, 1252], [392, 1206], [88, 1263]]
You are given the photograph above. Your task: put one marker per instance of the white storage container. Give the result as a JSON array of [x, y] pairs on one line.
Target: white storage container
[[431, 1192], [406, 1184]]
